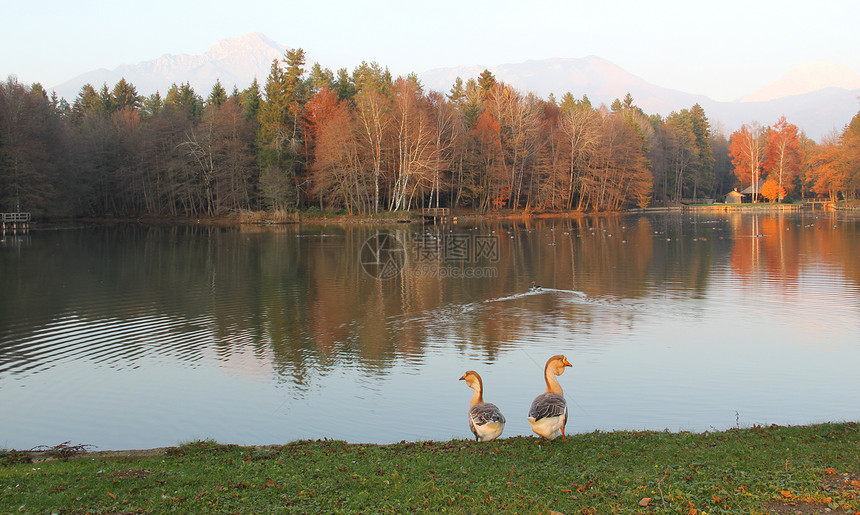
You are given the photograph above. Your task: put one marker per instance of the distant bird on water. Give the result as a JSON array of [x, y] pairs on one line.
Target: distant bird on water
[[548, 413], [485, 419]]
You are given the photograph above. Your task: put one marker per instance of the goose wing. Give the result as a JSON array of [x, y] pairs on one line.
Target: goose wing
[[548, 405], [485, 412]]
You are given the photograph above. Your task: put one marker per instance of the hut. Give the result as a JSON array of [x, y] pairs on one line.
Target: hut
[[733, 197]]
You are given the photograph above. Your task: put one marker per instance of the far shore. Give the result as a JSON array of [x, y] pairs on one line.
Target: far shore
[[316, 217]]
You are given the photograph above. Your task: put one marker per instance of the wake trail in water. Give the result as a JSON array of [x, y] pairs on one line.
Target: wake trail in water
[[538, 291]]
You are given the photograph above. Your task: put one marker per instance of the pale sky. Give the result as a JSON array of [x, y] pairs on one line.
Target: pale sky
[[722, 49]]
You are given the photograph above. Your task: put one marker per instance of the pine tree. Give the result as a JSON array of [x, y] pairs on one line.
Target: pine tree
[[486, 81], [124, 95], [343, 85], [218, 95], [319, 78], [183, 99], [250, 99], [458, 93]]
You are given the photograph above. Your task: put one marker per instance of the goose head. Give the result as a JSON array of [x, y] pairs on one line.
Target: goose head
[[473, 380], [557, 364]]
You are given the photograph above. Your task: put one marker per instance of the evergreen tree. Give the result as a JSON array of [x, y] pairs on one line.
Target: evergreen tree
[[86, 104], [343, 85], [250, 99], [106, 100], [458, 93], [124, 95], [486, 81], [372, 77], [294, 90], [183, 99], [280, 135], [218, 95], [152, 105], [320, 78]]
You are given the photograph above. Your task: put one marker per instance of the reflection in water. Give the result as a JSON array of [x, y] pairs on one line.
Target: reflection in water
[[136, 336]]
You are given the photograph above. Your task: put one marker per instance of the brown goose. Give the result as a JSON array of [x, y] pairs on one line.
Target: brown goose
[[485, 419], [548, 413]]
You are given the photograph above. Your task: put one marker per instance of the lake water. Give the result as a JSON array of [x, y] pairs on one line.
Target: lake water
[[136, 337]]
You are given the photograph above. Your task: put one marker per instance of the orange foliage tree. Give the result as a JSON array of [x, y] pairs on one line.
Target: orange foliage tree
[[835, 164], [782, 156], [746, 150]]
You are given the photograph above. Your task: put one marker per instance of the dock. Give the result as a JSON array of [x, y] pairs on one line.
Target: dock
[[437, 214], [15, 222]]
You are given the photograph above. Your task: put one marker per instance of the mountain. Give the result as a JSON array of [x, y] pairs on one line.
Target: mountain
[[599, 79], [818, 104], [807, 79], [235, 61], [818, 98]]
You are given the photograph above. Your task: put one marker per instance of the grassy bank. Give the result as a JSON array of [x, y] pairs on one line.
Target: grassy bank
[[810, 469]]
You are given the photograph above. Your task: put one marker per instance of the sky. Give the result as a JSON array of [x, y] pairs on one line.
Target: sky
[[722, 49]]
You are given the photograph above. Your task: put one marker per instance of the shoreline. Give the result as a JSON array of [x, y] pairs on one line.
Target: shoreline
[[414, 217], [65, 451], [760, 469]]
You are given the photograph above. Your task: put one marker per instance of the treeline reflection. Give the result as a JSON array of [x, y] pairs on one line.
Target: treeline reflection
[[300, 301]]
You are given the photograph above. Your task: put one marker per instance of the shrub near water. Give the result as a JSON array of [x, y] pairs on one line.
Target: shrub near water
[[755, 470]]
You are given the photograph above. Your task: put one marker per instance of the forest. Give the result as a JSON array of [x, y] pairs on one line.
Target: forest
[[364, 142]]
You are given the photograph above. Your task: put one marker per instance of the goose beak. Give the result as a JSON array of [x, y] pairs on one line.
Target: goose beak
[[567, 363], [463, 378]]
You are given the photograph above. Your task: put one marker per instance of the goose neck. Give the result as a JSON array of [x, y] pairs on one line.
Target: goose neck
[[552, 384]]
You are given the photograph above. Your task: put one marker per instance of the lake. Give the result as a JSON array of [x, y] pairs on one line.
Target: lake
[[136, 337]]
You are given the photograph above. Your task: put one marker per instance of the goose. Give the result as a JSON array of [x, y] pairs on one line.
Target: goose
[[548, 413], [485, 419]]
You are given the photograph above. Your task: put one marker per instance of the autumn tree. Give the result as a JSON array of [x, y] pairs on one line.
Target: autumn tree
[[373, 103], [447, 142], [336, 170], [519, 120], [579, 124], [835, 164], [782, 157], [488, 180], [746, 149], [415, 139]]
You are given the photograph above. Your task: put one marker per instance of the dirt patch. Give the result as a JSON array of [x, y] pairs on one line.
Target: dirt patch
[[132, 473], [47, 455], [845, 486]]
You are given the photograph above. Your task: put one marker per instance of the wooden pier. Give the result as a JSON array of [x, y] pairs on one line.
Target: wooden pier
[[15, 222], [437, 214]]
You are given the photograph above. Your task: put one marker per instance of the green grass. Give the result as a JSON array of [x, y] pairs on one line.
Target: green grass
[[752, 470]]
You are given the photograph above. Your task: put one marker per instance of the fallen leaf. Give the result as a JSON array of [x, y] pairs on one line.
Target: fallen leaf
[[716, 499], [830, 470], [786, 494], [112, 496], [645, 502], [269, 484]]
